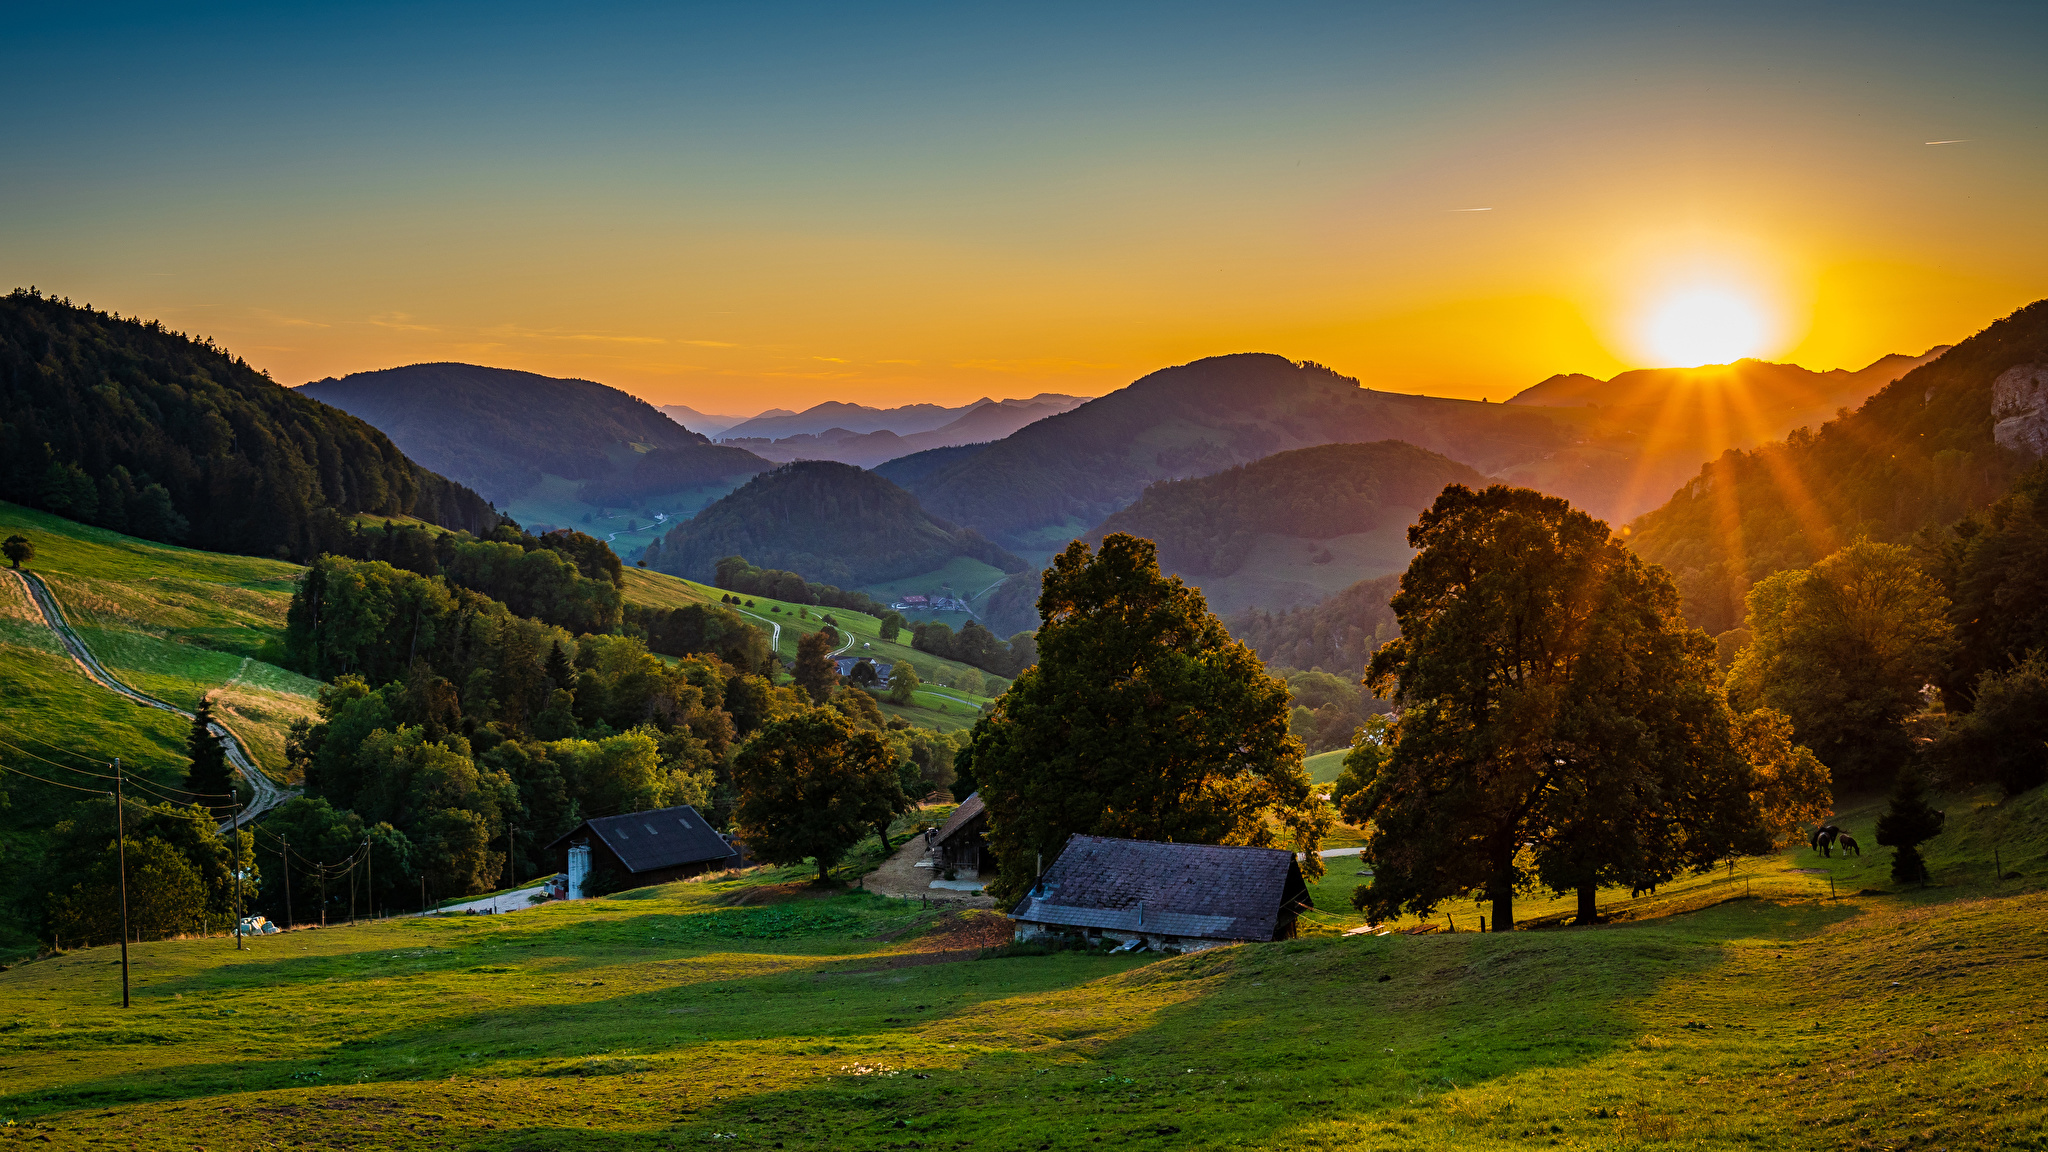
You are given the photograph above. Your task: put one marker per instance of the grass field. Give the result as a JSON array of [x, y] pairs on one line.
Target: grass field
[[932, 710], [738, 1013], [1325, 767], [173, 622]]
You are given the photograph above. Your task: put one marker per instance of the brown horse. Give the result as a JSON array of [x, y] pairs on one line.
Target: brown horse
[[1847, 844]]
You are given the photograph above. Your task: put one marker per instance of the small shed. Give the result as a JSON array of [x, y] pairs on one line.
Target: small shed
[[961, 842], [642, 848], [1171, 897]]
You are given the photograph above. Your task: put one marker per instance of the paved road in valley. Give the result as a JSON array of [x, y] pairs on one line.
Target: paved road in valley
[[265, 792]]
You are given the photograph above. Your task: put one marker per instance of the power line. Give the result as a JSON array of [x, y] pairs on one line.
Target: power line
[[58, 783], [54, 764]]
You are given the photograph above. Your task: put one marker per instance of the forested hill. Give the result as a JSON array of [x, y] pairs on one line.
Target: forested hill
[[125, 424], [826, 521], [1923, 451], [1055, 478], [500, 430], [1209, 526]]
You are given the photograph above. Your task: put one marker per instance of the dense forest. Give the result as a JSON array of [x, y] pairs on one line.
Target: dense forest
[[1080, 466], [1208, 525], [1339, 634], [1919, 453], [125, 424], [499, 430], [829, 521], [735, 574]]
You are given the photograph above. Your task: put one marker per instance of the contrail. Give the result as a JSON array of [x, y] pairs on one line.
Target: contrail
[[1944, 141], [1471, 209]]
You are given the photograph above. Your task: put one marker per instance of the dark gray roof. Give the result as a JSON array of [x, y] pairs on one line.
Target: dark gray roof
[[961, 818], [655, 839], [1200, 890]]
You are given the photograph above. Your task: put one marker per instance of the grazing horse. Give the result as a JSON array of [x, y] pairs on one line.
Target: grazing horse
[[1640, 885], [1823, 839], [1847, 844]]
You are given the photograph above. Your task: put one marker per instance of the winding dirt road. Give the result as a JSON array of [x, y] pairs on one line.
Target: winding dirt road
[[265, 792]]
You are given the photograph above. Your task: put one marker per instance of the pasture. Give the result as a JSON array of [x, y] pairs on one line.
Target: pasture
[[755, 1012]]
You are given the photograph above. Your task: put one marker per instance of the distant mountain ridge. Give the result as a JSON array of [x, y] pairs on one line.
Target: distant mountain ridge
[[907, 420], [703, 423], [126, 425], [829, 522], [1760, 381], [501, 430], [985, 421], [1057, 477]]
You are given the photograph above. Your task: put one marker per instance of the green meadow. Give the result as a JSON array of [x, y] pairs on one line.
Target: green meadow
[[944, 709], [756, 1011]]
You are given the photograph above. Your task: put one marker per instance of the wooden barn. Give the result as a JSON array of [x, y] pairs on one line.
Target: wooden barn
[[960, 844], [1169, 897], [642, 848]]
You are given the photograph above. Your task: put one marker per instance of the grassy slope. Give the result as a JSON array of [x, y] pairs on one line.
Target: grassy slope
[[658, 589], [667, 1020], [173, 622]]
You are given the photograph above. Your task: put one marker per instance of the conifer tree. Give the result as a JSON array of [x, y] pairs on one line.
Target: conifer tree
[[1908, 823], [209, 778], [558, 671]]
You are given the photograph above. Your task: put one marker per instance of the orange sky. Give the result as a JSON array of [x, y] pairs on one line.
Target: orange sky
[[756, 214]]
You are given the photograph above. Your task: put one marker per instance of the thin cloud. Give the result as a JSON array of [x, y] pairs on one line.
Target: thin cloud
[[400, 322], [710, 343], [1944, 141], [1471, 209]]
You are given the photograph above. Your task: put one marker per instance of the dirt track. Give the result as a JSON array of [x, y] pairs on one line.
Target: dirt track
[[900, 876]]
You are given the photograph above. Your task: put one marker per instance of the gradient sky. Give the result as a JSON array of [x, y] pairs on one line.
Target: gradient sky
[[752, 205]]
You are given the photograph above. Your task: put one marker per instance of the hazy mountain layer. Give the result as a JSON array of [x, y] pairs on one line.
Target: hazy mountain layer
[[704, 423], [990, 420], [907, 420], [1055, 478], [829, 522]]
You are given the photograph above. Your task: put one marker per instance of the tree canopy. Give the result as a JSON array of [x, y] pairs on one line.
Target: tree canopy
[[811, 786], [1844, 649], [1559, 722], [1142, 718]]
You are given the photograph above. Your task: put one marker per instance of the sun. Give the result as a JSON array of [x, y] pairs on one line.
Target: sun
[[1696, 326]]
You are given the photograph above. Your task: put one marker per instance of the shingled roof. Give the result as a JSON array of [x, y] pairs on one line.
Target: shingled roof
[[1199, 890], [961, 818], [655, 839]]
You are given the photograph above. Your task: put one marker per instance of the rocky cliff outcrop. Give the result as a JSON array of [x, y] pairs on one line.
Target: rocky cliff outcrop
[[2019, 403]]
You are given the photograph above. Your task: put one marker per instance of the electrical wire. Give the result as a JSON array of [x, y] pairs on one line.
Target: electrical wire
[[53, 763], [60, 750], [58, 783]]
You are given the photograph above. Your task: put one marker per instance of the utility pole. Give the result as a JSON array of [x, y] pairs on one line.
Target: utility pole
[[511, 855], [121, 843], [235, 845], [370, 883], [323, 894], [285, 858]]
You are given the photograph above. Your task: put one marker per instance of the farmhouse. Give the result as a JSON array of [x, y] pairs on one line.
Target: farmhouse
[[1170, 897], [639, 849], [959, 844]]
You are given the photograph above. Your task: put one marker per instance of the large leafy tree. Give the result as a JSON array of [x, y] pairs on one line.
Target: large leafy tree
[[1559, 721], [811, 786], [1793, 791], [1844, 648], [815, 672], [1142, 718], [19, 549]]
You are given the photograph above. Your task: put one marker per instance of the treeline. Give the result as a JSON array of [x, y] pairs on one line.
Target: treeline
[[1328, 710], [563, 578], [125, 424], [181, 876], [1921, 452], [735, 574], [1340, 633], [977, 646]]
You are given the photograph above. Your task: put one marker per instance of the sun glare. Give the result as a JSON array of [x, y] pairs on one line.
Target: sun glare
[[1705, 326]]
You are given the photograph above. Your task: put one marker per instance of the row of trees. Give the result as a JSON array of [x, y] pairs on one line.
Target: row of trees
[[976, 645], [563, 578]]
